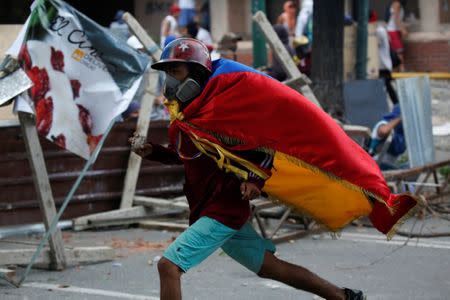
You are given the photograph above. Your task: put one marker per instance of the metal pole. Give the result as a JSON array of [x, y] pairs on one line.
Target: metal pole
[[259, 42], [361, 47]]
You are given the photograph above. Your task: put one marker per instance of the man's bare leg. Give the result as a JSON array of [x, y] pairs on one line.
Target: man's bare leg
[[169, 279], [299, 278]]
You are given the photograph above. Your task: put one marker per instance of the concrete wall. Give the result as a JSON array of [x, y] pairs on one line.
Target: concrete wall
[[230, 16], [150, 14], [8, 34], [429, 15], [219, 18], [240, 17]]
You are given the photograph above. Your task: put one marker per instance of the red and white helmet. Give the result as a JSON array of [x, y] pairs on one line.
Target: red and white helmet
[[186, 50]]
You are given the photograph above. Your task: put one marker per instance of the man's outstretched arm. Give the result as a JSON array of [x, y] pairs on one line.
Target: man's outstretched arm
[[158, 153]]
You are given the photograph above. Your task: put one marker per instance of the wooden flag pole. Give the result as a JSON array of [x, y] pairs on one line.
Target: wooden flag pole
[[43, 189]]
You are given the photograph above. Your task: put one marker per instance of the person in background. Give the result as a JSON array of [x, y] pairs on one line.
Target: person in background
[[304, 20], [276, 70], [389, 128], [287, 18], [118, 26], [169, 25], [188, 12], [194, 30], [397, 30], [132, 111], [302, 56], [384, 56], [228, 45], [205, 20]]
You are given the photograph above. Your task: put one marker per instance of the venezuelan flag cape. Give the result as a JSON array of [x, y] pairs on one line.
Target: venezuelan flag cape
[[318, 169]]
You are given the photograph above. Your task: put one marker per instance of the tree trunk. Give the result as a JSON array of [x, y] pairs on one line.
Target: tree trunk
[[327, 55]]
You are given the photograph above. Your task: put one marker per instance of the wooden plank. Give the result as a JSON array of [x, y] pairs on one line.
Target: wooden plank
[[134, 162], [159, 202], [9, 123], [90, 254], [43, 189], [73, 256], [173, 214], [143, 123], [259, 204], [356, 130], [8, 274], [277, 46], [158, 225], [297, 82], [406, 173], [359, 134], [142, 36], [309, 94], [109, 217], [298, 234], [280, 222], [283, 56]]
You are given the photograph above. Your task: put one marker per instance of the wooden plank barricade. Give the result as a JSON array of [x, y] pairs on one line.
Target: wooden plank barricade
[[56, 257]]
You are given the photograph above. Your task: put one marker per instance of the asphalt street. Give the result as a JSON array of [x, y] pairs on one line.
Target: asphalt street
[[360, 258]]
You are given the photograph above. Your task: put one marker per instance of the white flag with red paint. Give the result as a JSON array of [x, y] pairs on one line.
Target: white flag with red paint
[[83, 76]]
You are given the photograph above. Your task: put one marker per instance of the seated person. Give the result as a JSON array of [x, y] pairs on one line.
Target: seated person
[[132, 111], [228, 45], [390, 125], [302, 58]]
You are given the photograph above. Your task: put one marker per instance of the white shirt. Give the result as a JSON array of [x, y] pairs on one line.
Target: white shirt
[[204, 36], [384, 55], [173, 28], [189, 4], [303, 16], [383, 157], [392, 26]]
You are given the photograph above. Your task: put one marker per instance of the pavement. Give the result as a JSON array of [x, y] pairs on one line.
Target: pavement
[[360, 258]]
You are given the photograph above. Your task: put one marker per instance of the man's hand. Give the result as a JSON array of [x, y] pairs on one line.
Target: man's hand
[[141, 150], [249, 191], [144, 150]]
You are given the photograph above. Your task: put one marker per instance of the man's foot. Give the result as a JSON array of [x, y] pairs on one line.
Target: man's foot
[[354, 294]]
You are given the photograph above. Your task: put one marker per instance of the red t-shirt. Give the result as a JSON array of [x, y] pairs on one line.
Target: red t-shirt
[[210, 191]]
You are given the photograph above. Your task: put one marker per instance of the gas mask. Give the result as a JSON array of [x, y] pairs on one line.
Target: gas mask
[[181, 91]]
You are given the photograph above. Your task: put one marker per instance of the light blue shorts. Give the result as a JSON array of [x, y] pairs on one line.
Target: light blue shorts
[[207, 235]]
